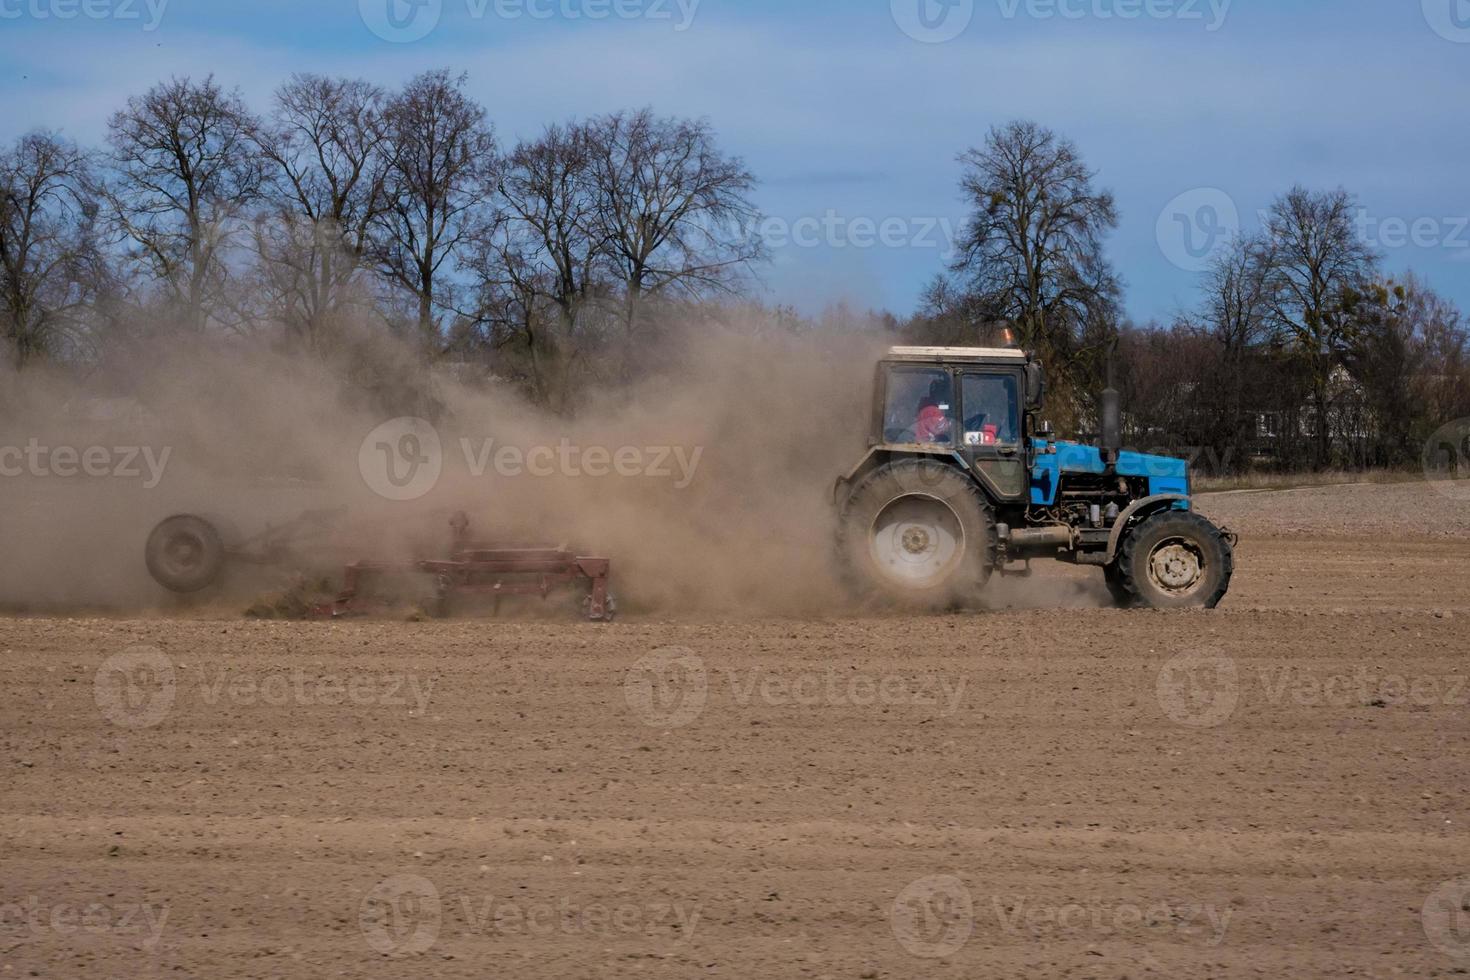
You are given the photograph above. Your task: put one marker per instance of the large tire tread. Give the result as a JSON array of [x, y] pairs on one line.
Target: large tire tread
[[1162, 524], [911, 476], [1113, 579]]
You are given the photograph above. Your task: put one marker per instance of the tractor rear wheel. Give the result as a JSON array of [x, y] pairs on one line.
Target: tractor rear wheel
[[918, 532], [1175, 560], [1113, 576], [184, 553]]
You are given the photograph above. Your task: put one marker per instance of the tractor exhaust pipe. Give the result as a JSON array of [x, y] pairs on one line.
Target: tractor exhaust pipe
[[1112, 425], [1112, 417]]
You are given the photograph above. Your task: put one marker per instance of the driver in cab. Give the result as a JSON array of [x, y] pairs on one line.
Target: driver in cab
[[933, 424]]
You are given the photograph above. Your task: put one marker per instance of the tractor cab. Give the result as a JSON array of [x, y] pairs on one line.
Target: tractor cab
[[970, 402], [962, 478]]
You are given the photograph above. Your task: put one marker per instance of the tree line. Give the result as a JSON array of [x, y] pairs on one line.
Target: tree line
[[1301, 353], [346, 205], [346, 210]]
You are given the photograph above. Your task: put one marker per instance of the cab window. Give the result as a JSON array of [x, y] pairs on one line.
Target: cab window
[[920, 406], [992, 410]]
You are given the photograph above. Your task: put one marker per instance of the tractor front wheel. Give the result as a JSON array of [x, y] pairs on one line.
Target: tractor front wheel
[[920, 533], [1174, 560]]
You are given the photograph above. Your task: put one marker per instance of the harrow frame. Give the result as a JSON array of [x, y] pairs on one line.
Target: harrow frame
[[476, 570]]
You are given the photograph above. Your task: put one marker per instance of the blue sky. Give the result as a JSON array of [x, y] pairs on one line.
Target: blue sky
[[1194, 112]]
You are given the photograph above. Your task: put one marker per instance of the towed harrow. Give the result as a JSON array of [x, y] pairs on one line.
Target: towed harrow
[[475, 570], [187, 553]]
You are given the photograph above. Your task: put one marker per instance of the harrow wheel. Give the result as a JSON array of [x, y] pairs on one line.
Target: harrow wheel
[[184, 553], [609, 610]]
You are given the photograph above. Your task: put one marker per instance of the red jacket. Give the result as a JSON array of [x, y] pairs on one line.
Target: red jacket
[[932, 426]]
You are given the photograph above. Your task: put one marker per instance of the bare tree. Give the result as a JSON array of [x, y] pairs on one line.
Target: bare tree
[[1237, 308], [50, 264], [673, 211], [1320, 271], [1163, 373], [1445, 336], [950, 315], [185, 173], [1032, 247], [326, 176], [441, 154], [1408, 354], [544, 258]]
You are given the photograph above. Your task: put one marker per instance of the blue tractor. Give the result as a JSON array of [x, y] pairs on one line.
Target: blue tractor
[[962, 478]]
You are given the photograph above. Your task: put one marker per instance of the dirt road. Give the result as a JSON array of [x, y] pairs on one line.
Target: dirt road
[[1276, 788]]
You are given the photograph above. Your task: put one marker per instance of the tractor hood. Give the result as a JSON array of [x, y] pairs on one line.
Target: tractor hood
[[1165, 474]]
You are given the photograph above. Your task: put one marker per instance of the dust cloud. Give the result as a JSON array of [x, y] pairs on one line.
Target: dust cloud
[[708, 485]]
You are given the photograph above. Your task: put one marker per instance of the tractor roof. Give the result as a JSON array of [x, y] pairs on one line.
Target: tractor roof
[[935, 355]]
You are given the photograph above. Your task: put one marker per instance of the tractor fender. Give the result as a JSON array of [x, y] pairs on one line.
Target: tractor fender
[[1135, 509], [874, 459]]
